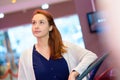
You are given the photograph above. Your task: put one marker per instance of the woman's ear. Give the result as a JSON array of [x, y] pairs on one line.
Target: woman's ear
[[51, 27]]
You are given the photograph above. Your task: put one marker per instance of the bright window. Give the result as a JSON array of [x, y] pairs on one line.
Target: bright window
[[21, 37]]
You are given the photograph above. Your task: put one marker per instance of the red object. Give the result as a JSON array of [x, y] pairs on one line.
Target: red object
[[9, 71], [109, 74]]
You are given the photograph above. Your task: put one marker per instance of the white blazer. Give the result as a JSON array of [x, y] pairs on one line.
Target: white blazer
[[77, 59]]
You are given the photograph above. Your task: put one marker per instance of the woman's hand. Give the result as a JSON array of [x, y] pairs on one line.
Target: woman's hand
[[73, 75]]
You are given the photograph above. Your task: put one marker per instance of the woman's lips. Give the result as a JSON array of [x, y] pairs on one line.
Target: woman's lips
[[37, 31]]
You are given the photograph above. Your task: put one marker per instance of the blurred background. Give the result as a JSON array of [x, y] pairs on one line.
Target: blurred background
[[79, 21]]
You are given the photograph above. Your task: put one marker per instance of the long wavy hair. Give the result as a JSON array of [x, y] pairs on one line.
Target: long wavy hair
[[55, 42]]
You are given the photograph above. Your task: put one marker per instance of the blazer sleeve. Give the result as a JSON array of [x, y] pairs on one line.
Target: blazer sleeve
[[21, 71], [82, 56], [26, 71]]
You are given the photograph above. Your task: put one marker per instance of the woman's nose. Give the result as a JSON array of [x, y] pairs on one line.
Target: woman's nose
[[37, 26]]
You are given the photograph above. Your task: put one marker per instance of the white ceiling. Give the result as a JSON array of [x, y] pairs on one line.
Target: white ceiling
[[6, 6]]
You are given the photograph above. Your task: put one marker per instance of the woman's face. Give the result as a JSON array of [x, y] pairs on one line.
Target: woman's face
[[40, 26]]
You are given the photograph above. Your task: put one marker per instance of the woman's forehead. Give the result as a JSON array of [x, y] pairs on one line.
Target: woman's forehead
[[39, 17]]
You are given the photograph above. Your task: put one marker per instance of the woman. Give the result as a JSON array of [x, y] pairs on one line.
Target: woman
[[51, 58]]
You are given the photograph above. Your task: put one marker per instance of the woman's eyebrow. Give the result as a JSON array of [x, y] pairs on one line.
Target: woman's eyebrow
[[42, 20]]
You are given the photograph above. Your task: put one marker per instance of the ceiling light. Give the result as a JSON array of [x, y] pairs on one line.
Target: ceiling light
[[1, 15], [13, 1], [45, 6]]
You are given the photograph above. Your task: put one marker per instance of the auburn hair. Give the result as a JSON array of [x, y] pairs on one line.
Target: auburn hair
[[55, 42]]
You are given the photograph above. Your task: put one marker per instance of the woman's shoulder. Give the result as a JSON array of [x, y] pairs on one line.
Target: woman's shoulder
[[27, 52], [71, 45], [67, 43], [75, 48]]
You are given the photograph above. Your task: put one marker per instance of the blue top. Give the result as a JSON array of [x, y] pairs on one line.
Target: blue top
[[49, 69]]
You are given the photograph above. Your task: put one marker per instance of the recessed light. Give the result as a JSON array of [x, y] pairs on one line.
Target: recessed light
[[13, 1], [45, 6], [1, 15]]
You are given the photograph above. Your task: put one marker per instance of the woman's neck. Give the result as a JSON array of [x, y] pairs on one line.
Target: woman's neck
[[42, 42], [43, 48]]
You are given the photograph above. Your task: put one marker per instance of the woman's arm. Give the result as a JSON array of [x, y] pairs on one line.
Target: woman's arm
[[82, 57]]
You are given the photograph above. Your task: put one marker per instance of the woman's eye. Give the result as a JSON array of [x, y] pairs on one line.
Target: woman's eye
[[33, 22], [41, 22]]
